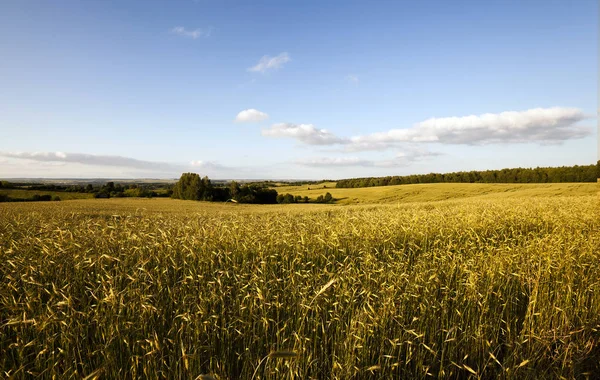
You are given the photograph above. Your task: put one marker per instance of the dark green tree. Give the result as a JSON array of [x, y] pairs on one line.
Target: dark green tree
[[234, 189]]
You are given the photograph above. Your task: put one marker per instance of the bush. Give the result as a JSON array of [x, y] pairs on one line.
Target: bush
[[285, 199], [102, 194]]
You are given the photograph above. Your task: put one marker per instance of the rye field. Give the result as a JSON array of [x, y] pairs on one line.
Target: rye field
[[491, 284]]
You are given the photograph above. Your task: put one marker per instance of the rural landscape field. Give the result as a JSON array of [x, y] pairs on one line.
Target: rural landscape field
[[499, 285], [300, 189]]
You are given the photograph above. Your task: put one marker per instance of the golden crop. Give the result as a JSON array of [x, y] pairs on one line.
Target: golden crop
[[489, 288]]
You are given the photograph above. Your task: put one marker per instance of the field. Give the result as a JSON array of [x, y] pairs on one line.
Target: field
[[438, 191], [436, 281], [26, 194]]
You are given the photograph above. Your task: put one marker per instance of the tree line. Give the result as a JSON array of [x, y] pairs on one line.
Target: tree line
[[108, 190], [191, 187], [33, 198], [112, 190], [585, 173], [289, 198]]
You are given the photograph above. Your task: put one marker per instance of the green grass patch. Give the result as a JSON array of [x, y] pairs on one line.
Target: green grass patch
[[27, 194]]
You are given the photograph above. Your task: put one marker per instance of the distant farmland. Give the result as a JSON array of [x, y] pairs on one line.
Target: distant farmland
[[439, 191], [25, 194]]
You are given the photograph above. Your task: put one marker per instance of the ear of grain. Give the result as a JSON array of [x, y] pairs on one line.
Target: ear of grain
[[283, 355], [323, 289]]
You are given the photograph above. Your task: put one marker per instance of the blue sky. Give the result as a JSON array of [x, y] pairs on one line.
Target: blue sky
[[334, 89]]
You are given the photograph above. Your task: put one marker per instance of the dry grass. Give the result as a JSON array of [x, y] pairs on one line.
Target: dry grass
[[503, 287]]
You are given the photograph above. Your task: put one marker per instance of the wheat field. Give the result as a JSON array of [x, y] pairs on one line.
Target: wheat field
[[481, 287], [428, 192]]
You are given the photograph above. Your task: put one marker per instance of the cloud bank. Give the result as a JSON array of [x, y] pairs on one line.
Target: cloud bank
[[112, 161], [267, 63], [545, 125], [251, 116], [402, 158], [334, 162], [541, 125]]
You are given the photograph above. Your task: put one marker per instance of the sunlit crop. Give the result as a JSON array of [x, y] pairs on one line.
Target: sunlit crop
[[490, 288]]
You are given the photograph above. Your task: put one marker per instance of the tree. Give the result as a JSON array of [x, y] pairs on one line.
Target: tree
[[206, 190], [265, 196], [188, 187], [102, 194], [328, 198], [234, 189]]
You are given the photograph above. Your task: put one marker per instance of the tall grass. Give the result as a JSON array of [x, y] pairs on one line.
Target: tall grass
[[489, 288]]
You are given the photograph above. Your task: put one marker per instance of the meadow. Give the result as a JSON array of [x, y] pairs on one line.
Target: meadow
[[26, 194], [416, 281]]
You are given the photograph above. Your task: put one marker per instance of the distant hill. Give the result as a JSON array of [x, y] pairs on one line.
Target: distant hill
[[441, 191]]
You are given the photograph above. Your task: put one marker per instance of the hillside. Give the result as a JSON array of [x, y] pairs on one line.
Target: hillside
[[439, 191]]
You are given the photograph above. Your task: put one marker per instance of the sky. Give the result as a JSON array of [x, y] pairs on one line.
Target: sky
[[295, 89]]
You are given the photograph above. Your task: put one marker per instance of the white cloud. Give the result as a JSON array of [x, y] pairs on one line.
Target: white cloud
[[270, 63], [306, 133], [352, 78], [353, 162], [207, 165], [195, 34], [334, 161], [251, 116], [540, 125], [403, 158]]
